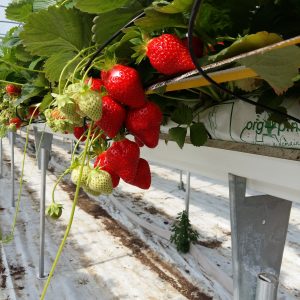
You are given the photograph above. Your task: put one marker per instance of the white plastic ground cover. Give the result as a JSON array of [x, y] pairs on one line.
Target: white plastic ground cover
[[209, 213], [238, 121]]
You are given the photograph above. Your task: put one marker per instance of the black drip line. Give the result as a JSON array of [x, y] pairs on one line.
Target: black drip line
[[191, 26]]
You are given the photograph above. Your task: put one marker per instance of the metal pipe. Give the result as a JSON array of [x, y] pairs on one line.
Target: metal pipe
[[41, 274], [187, 193], [267, 285], [12, 171], [1, 163], [181, 184]]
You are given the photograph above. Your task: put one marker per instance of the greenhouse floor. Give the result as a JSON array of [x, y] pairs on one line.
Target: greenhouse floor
[[110, 257]]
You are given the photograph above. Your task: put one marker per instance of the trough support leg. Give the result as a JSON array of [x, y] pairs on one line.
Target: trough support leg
[[258, 231], [12, 138], [187, 192], [181, 184], [1, 158], [43, 143], [43, 156]]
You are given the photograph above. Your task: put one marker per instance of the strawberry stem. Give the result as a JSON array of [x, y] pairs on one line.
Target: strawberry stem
[[10, 236], [11, 82], [58, 254]]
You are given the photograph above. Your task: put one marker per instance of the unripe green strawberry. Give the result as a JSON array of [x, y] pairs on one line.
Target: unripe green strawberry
[[99, 181], [89, 102], [54, 211], [91, 192], [85, 174], [57, 122]]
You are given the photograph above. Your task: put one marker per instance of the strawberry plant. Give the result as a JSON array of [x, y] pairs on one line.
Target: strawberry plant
[[93, 79]]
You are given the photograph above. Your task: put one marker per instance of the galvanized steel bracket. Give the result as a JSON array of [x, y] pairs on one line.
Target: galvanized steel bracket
[[258, 231]]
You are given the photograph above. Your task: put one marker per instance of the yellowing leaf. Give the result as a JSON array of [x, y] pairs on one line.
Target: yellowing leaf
[[278, 67]]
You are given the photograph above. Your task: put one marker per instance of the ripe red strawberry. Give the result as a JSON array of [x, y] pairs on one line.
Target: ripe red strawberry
[[143, 175], [96, 83], [101, 162], [13, 90], [168, 55], [144, 123], [197, 45], [123, 158], [33, 111], [139, 142], [16, 121], [124, 85], [79, 133], [113, 116]]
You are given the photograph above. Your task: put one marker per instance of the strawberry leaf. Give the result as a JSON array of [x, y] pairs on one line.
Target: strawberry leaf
[[19, 11], [45, 102], [96, 7], [178, 135], [278, 67], [43, 34], [43, 4], [103, 27], [182, 115], [198, 134], [54, 65], [177, 6], [155, 20]]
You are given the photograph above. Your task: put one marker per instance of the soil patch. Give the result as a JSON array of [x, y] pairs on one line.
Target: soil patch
[[139, 249], [212, 244]]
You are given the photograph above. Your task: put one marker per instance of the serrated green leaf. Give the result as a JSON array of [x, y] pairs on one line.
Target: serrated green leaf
[[176, 6], [155, 20], [22, 55], [278, 67], [248, 84], [28, 91], [96, 7], [45, 102], [19, 11], [43, 4], [57, 29], [103, 27], [55, 64], [178, 135], [247, 43], [182, 115], [198, 134]]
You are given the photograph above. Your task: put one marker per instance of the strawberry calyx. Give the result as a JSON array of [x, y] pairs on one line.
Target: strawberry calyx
[[54, 211]]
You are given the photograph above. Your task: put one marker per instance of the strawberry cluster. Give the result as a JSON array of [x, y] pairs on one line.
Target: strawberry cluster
[[117, 104]]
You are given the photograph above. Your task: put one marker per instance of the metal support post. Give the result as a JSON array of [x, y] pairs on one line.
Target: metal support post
[[41, 274], [181, 184], [258, 232], [43, 144], [12, 137], [1, 158], [267, 285], [187, 193]]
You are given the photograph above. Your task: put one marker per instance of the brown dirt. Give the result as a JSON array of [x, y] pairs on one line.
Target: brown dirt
[[3, 277], [139, 249], [212, 244]]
